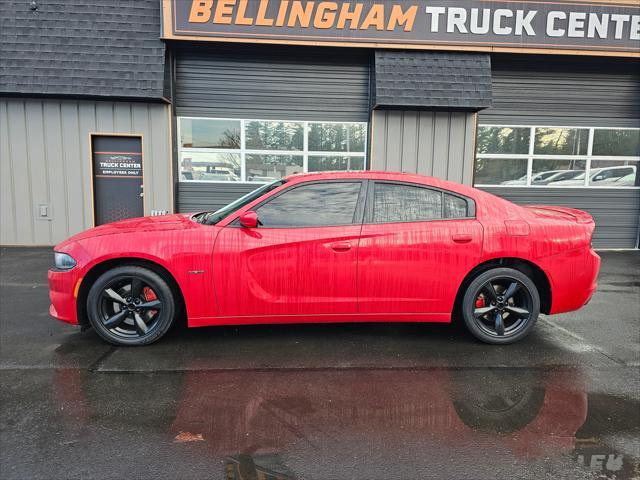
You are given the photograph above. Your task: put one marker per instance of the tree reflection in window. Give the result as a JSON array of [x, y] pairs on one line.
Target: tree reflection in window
[[272, 135]]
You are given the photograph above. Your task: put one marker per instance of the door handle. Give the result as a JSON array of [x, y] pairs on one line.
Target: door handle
[[461, 238], [340, 246]]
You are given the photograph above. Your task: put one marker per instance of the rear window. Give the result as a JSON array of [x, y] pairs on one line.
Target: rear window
[[455, 207], [405, 203], [396, 203]]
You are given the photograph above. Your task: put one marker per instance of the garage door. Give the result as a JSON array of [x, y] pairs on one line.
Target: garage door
[[578, 117], [297, 88]]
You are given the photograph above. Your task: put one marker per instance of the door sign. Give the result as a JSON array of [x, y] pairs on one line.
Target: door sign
[[117, 177]]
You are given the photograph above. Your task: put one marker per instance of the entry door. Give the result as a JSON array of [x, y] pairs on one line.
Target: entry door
[[416, 246], [117, 177], [301, 260]]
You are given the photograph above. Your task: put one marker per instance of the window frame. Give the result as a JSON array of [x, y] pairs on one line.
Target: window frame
[[358, 213], [370, 203], [530, 156], [305, 153]]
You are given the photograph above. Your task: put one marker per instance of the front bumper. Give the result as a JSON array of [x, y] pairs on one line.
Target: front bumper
[[63, 288]]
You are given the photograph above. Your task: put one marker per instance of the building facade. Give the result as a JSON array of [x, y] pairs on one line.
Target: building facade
[[116, 109]]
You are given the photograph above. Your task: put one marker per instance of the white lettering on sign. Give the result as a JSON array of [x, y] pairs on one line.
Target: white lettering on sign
[[520, 22], [435, 13], [552, 29], [119, 165], [523, 22], [479, 28]]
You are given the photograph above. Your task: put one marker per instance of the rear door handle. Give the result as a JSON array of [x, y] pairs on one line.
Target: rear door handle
[[462, 238], [340, 246]]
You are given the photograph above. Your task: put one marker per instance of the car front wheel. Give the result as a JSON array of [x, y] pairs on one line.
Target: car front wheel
[[501, 306], [131, 305]]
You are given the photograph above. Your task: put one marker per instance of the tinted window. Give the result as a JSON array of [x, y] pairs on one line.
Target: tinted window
[[454, 207], [622, 142], [503, 140], [561, 141], [404, 203], [317, 204], [204, 133]]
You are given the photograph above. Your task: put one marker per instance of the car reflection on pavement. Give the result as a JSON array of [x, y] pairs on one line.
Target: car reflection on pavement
[[284, 424]]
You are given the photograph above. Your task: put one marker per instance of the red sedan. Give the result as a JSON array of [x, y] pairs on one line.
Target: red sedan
[[331, 247]]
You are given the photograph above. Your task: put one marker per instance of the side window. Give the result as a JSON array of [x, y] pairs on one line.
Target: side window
[[405, 203], [313, 205], [455, 207]]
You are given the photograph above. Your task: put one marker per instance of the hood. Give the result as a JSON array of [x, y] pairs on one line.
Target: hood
[[140, 224]]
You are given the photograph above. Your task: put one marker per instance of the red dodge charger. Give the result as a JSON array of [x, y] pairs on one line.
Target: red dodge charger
[[331, 247]]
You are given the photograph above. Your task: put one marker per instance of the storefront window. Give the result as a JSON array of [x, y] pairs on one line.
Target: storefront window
[[613, 173], [337, 137], [267, 168], [557, 156], [274, 135], [200, 133], [546, 171], [561, 141], [503, 140], [496, 171], [210, 166], [218, 150], [616, 142], [328, 163]]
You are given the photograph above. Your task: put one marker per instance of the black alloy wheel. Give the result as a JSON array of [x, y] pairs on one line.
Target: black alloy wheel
[[501, 306], [130, 305]]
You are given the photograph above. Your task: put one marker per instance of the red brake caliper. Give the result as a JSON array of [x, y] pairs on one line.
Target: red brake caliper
[[480, 302], [148, 296]]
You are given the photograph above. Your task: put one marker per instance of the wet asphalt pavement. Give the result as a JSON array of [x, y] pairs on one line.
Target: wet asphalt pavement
[[322, 402]]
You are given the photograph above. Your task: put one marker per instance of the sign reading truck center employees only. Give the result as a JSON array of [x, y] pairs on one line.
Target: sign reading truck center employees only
[[536, 26], [117, 177]]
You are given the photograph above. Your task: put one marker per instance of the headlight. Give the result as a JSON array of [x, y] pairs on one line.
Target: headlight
[[62, 261]]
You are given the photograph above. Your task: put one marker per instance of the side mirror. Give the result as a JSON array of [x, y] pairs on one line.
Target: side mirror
[[249, 219]]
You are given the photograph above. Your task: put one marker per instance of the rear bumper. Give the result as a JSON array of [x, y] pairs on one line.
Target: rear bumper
[[62, 288], [573, 276]]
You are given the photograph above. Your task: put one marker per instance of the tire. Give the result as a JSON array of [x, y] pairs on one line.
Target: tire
[[131, 306], [488, 296], [499, 401]]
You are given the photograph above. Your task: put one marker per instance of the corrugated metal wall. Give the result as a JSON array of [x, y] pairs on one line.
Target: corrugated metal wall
[[291, 85], [615, 211], [44, 159], [565, 92], [265, 83], [440, 144], [200, 196], [561, 91]]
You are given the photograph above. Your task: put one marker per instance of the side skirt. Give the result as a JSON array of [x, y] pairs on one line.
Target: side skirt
[[322, 318]]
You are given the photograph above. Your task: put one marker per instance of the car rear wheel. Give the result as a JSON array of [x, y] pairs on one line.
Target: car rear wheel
[[131, 305], [501, 306]]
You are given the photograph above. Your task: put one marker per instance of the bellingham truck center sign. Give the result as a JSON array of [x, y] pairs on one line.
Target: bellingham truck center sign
[[570, 27]]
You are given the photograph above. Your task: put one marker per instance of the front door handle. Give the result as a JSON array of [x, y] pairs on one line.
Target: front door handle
[[340, 246], [462, 238]]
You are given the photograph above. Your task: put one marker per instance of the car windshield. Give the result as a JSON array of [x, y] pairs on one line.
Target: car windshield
[[211, 218]]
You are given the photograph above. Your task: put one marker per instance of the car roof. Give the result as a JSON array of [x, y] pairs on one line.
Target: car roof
[[384, 175]]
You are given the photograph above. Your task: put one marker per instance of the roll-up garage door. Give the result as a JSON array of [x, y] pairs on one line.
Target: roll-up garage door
[[278, 83], [535, 91]]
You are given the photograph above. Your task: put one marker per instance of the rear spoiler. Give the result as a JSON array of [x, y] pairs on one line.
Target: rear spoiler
[[578, 216]]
